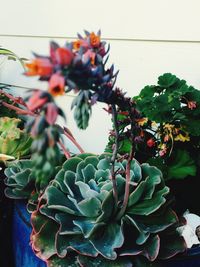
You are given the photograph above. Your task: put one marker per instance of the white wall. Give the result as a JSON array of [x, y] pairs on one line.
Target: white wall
[[147, 39]]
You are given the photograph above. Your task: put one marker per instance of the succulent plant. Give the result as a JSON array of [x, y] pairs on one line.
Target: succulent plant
[[19, 179], [22, 183], [13, 141], [86, 224]]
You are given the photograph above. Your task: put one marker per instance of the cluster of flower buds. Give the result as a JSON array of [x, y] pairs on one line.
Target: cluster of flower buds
[[79, 65]]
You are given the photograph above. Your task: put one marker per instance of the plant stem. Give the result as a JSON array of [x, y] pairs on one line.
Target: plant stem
[[66, 152], [128, 168], [127, 186], [17, 100], [18, 110], [73, 140], [114, 155]]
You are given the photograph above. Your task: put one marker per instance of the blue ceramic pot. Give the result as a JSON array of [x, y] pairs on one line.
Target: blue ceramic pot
[[23, 254], [189, 259]]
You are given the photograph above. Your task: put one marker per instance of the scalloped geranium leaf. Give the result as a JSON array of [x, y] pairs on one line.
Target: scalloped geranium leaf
[[101, 262], [167, 80], [182, 166]]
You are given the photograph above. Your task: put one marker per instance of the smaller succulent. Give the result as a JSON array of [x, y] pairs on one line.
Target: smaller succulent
[[13, 141], [19, 179]]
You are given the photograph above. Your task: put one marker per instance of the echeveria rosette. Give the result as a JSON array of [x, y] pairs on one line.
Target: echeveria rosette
[[13, 140], [21, 182], [19, 179], [79, 210]]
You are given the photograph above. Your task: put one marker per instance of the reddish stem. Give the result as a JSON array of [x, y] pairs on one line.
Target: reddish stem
[[66, 152], [18, 100], [127, 186], [73, 140], [19, 110]]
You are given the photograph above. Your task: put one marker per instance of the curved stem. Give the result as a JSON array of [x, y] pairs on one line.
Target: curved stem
[[73, 140], [114, 155], [127, 186], [66, 152], [18, 110]]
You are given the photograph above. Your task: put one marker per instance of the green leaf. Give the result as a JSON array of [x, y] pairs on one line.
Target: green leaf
[[149, 206], [43, 243], [167, 80], [71, 164], [101, 262], [107, 239], [55, 261], [90, 207], [182, 166]]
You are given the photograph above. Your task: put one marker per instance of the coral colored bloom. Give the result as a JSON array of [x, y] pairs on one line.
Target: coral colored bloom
[[166, 138], [94, 40], [91, 55], [80, 43], [56, 85], [151, 143], [142, 121], [63, 56], [163, 150], [36, 100], [192, 104], [39, 66]]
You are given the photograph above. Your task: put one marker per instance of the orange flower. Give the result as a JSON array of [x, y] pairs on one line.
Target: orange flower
[[78, 43], [141, 121], [63, 56], [57, 85], [39, 66], [94, 39]]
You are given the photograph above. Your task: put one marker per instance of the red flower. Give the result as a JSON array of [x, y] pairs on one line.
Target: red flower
[[192, 104], [57, 85], [39, 66], [37, 100], [151, 143], [63, 56]]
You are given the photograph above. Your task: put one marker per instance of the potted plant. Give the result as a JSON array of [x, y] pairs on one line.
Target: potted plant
[[111, 209]]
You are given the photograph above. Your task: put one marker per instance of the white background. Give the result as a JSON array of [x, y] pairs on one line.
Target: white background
[[147, 37]]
